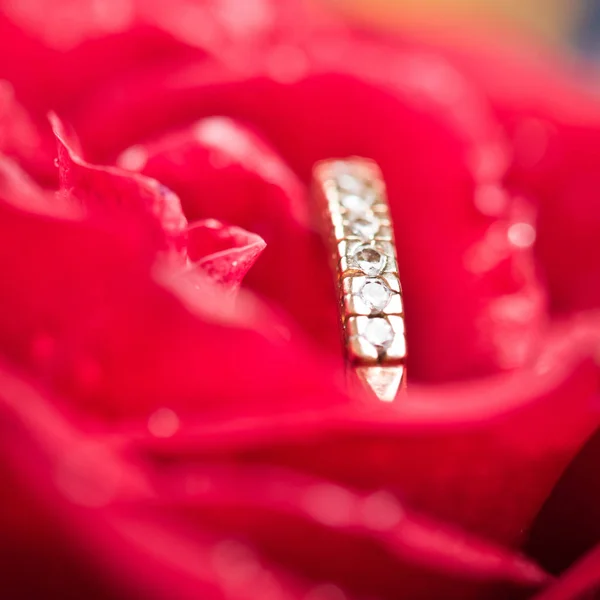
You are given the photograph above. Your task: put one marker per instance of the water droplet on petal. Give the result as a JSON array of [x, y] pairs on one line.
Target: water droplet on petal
[[491, 199], [521, 235], [133, 159], [163, 423], [381, 511], [287, 64], [87, 476], [329, 504]]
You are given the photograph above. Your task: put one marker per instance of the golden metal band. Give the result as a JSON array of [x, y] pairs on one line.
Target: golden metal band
[[356, 222]]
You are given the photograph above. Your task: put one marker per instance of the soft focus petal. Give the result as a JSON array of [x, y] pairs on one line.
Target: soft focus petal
[[488, 466], [57, 55], [67, 517], [550, 110], [369, 543], [93, 485]]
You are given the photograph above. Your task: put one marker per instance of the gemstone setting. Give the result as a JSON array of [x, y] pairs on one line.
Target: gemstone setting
[[369, 260], [379, 333], [365, 227], [350, 183], [355, 204], [376, 294], [355, 194], [370, 296]]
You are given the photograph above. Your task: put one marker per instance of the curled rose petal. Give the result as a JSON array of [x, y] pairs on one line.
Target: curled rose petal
[[115, 191], [89, 316], [218, 157], [224, 170], [224, 253]]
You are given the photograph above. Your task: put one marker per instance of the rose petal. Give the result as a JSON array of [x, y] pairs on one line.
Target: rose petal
[[554, 126], [221, 169], [72, 56], [67, 516], [61, 51], [224, 253], [93, 486], [488, 466], [85, 312], [369, 543], [113, 190], [481, 321]]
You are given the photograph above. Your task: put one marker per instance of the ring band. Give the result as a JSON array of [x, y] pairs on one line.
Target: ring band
[[354, 214]]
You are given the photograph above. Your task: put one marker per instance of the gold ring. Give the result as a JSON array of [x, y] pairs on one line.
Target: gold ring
[[355, 219]]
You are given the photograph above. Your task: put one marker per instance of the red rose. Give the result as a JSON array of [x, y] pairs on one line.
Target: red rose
[[168, 433]]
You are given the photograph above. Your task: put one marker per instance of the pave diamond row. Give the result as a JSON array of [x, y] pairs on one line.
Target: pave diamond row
[[355, 207]]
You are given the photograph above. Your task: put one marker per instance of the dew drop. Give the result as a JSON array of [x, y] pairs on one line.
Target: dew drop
[[133, 159], [521, 235], [163, 423], [381, 511], [329, 504]]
